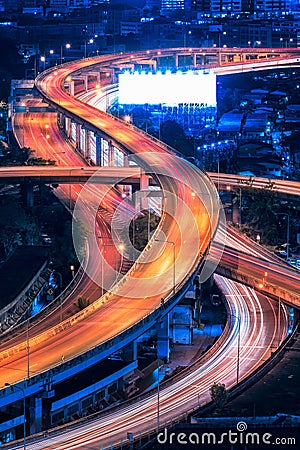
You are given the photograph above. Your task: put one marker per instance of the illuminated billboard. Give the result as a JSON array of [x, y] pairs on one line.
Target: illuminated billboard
[[170, 89]]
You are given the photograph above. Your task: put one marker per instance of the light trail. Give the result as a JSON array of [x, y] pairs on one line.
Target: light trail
[[181, 395], [258, 337]]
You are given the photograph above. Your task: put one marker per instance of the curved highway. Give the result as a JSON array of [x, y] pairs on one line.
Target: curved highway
[[189, 221], [260, 331], [156, 268]]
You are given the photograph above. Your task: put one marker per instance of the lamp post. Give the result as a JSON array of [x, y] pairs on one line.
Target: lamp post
[[287, 232], [102, 265], [68, 46], [91, 41], [121, 248], [60, 290], [58, 153], [70, 189], [28, 347], [174, 258], [43, 60], [238, 346], [24, 411], [278, 319], [72, 268], [158, 392]]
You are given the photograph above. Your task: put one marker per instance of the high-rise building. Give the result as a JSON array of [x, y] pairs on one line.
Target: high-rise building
[[13, 5], [69, 3], [200, 5], [172, 5], [72, 4], [252, 6], [226, 6], [260, 6]]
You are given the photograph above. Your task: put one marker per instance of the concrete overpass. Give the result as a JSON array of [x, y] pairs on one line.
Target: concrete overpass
[[72, 175], [132, 175], [73, 126]]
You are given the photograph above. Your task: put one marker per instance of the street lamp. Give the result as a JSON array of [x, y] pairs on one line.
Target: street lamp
[[127, 118], [238, 346], [70, 189], [121, 247], [43, 60], [287, 232], [60, 290], [158, 392], [24, 410], [72, 268], [58, 153], [174, 258], [68, 46]]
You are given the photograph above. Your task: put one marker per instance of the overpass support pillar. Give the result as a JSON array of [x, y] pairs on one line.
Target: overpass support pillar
[[236, 214], [144, 188], [194, 60], [78, 131], [87, 150], [111, 154], [154, 65], [61, 120], [163, 342], [198, 300], [71, 87], [96, 73], [144, 182], [36, 425], [68, 127], [111, 76], [85, 81], [27, 194], [125, 161], [126, 189], [98, 150], [176, 60], [130, 352]]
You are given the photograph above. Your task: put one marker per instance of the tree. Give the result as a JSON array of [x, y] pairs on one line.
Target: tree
[[17, 226], [34, 161], [172, 133], [218, 395], [15, 156], [82, 303], [260, 216], [140, 227]]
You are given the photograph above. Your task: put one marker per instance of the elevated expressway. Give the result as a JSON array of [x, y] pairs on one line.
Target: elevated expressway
[[130, 175], [282, 281], [186, 258], [184, 215]]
